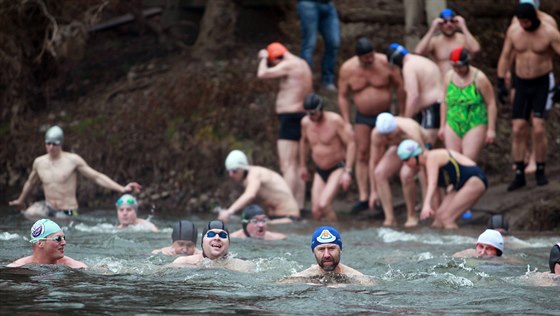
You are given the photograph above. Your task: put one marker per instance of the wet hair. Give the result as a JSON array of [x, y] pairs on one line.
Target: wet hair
[[363, 46], [184, 230], [248, 213], [498, 221], [527, 11], [313, 102]]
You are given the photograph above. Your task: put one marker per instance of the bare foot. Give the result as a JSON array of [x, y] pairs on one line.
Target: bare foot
[[389, 223], [451, 226], [531, 167], [411, 222]]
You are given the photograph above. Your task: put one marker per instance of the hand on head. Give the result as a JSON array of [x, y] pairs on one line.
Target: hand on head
[[133, 186]]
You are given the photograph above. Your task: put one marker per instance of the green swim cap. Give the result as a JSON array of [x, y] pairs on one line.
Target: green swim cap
[[408, 149], [54, 135], [42, 229]]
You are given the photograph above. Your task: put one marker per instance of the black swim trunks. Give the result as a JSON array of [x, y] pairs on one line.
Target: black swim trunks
[[431, 116], [290, 125], [325, 174], [368, 120], [293, 218], [533, 95], [52, 212]]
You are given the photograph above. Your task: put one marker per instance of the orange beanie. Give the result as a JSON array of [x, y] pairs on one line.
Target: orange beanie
[[275, 50]]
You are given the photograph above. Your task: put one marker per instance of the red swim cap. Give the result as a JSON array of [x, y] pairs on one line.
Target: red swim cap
[[275, 50], [459, 56]]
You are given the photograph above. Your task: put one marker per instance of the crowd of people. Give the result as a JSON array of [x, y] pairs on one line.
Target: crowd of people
[[444, 114]]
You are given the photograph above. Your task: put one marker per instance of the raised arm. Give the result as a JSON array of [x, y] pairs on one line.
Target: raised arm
[[471, 44], [265, 72], [30, 183]]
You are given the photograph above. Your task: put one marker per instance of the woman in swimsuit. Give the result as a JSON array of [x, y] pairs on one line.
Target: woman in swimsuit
[[463, 180]]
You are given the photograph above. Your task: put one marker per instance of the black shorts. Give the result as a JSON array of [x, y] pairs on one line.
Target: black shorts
[[431, 117], [64, 213], [325, 174], [533, 95], [368, 120], [290, 125]]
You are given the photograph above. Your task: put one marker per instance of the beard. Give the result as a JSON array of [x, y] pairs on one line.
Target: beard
[[329, 267]]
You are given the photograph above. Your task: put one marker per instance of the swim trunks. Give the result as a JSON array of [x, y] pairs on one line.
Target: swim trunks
[[465, 107], [368, 120], [290, 125], [430, 116], [52, 212], [291, 217], [533, 95], [326, 173], [457, 175]]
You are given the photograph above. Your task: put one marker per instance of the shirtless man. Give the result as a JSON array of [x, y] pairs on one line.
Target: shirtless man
[[127, 213], [215, 246], [454, 33], [369, 78], [326, 245], [296, 81], [253, 221], [333, 150], [48, 242], [384, 162], [489, 244], [532, 45], [184, 237], [423, 84], [57, 171], [262, 184]]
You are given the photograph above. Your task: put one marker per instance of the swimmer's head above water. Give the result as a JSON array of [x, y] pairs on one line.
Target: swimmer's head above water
[[253, 221], [42, 229], [326, 245], [490, 243], [184, 236], [215, 240], [554, 259]]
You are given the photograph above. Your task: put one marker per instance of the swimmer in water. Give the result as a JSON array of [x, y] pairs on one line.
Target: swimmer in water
[[254, 222], [551, 278], [184, 237], [215, 245], [127, 208], [57, 171], [326, 245], [489, 244], [48, 242]]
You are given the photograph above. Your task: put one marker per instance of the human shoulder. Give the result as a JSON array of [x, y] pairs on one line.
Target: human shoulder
[[20, 262], [239, 265], [72, 263], [147, 225], [187, 260], [238, 234], [274, 236], [348, 66]]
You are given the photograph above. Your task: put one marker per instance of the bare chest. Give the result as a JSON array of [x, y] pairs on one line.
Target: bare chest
[[52, 172], [363, 78]]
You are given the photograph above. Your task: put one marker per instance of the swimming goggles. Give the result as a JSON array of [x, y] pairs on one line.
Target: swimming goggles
[[58, 239], [257, 221], [129, 200], [212, 234]]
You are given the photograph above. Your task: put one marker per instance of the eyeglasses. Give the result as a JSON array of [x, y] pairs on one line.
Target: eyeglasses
[[212, 234], [258, 221], [445, 21], [51, 143], [58, 239], [126, 201]]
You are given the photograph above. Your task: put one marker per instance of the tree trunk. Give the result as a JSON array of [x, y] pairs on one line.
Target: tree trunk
[[217, 29]]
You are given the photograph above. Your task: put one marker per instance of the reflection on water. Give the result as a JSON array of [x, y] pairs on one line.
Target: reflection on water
[[413, 269]]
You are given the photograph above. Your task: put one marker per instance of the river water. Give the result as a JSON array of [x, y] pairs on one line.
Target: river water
[[413, 270]]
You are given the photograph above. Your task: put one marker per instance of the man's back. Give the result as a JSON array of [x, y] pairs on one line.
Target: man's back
[[424, 74], [274, 192], [295, 85]]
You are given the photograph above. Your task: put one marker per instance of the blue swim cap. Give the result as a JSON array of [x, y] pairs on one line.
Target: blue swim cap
[[408, 149], [325, 235], [395, 54], [43, 228], [127, 199], [447, 14]]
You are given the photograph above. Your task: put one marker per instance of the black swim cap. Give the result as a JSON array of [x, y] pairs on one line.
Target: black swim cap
[[395, 54], [184, 230], [554, 256], [363, 46], [313, 102], [527, 11], [248, 213], [498, 221]]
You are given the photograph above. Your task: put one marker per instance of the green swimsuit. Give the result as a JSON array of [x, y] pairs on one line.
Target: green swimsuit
[[465, 108]]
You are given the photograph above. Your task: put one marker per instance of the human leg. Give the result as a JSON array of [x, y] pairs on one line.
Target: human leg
[[288, 158], [387, 166], [330, 30], [461, 201], [408, 181], [473, 141], [452, 140], [519, 131], [316, 189], [362, 136], [328, 193], [541, 145], [308, 20]]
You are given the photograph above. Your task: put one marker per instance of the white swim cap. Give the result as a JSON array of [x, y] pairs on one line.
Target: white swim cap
[[54, 135], [42, 229], [493, 238], [127, 199], [237, 160], [386, 123]]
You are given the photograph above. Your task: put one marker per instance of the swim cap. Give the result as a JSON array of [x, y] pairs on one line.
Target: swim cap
[[459, 57], [275, 50], [248, 213], [493, 238], [325, 235], [43, 228], [498, 221], [385, 123], [395, 54], [447, 14], [236, 159], [54, 135], [184, 230], [535, 3], [527, 11], [408, 149], [215, 224], [363, 46], [313, 102], [554, 256], [129, 200]]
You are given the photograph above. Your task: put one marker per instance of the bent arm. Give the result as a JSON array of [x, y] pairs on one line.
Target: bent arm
[[424, 47], [253, 186], [30, 183], [471, 44], [265, 72]]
